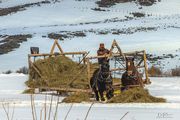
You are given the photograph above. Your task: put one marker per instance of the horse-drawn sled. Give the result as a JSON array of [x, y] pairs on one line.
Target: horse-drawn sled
[[126, 68]]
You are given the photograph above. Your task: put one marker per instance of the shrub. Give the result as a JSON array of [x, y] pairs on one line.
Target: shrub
[[23, 70], [154, 71], [8, 72], [175, 72]]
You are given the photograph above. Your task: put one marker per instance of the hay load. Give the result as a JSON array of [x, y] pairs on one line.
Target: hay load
[[77, 97], [136, 95], [59, 71]]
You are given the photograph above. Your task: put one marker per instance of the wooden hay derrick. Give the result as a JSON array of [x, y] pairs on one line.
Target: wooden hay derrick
[[33, 57], [119, 59]]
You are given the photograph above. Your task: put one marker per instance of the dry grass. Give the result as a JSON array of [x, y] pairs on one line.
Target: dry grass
[[155, 71], [175, 72], [59, 71], [29, 91], [77, 98], [136, 95]]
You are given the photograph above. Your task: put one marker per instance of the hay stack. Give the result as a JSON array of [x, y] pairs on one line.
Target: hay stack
[[58, 71], [136, 95]]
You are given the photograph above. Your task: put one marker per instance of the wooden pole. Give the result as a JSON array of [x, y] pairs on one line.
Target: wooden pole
[[146, 68], [53, 47], [65, 89], [65, 53], [84, 58], [29, 58], [59, 47], [88, 70]]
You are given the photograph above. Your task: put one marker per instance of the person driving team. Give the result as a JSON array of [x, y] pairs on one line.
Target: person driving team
[[102, 51]]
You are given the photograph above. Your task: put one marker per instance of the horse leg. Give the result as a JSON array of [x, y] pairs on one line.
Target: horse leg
[[110, 93], [101, 95], [96, 95]]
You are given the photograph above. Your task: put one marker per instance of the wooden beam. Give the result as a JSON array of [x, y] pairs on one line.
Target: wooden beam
[[66, 53], [84, 58], [140, 63], [59, 47], [53, 47], [134, 53], [117, 69], [116, 55], [65, 89], [34, 67]]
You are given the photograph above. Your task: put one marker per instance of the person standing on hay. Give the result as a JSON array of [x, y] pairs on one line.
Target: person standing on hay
[[102, 51]]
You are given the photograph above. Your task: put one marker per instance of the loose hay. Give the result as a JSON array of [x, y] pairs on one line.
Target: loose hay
[[29, 91], [58, 71], [77, 98], [136, 95]]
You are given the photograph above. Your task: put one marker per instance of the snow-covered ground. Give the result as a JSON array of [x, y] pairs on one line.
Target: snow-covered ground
[[11, 87], [72, 15], [12, 3], [75, 15]]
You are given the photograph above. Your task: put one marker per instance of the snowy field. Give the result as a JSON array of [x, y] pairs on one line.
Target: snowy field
[[74, 15], [77, 15], [11, 87]]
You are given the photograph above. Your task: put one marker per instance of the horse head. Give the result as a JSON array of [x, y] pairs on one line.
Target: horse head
[[130, 67], [105, 70]]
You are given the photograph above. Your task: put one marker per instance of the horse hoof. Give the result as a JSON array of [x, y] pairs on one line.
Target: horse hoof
[[102, 99], [97, 99]]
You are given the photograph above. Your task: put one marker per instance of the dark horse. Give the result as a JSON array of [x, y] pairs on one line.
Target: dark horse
[[101, 82], [131, 77]]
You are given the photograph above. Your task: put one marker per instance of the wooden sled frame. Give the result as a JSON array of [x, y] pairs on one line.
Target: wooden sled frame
[[87, 60]]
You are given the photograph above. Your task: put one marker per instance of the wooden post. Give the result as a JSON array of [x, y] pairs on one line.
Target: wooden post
[[84, 59], [147, 81], [29, 58], [88, 70], [53, 47], [34, 58]]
